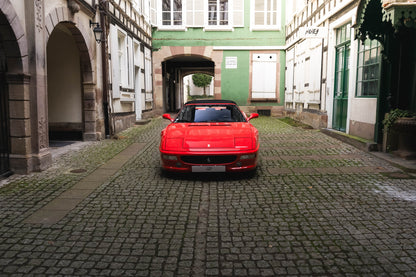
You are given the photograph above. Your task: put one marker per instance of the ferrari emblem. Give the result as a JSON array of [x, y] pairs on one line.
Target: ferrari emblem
[[209, 145]]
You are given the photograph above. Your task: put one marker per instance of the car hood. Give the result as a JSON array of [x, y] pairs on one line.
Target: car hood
[[209, 137]]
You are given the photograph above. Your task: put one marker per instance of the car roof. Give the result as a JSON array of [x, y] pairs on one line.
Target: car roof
[[210, 101]]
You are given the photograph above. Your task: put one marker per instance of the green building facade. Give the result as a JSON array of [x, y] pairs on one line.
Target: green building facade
[[238, 42]]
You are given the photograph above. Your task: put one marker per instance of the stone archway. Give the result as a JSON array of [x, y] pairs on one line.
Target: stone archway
[[170, 53], [174, 70], [60, 17]]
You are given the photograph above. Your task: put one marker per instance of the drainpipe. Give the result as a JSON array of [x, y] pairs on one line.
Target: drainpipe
[[322, 73], [103, 7]]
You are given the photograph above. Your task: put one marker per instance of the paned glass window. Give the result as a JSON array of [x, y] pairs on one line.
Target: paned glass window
[[217, 12], [344, 34], [123, 59], [172, 12], [368, 69]]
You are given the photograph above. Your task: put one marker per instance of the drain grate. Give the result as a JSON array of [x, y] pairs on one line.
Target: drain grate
[[264, 112]]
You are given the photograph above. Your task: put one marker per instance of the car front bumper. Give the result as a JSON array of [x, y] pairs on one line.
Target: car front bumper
[[211, 162]]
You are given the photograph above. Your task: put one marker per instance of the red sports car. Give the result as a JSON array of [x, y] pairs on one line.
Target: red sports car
[[209, 136]]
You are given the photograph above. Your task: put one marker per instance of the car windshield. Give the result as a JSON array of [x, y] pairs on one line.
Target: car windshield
[[210, 113]]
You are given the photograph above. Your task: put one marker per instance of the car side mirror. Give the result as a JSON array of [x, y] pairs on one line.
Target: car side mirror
[[167, 116], [253, 115]]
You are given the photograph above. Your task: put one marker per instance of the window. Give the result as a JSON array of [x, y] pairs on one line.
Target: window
[[368, 68], [122, 64], [266, 14], [148, 74], [210, 113], [172, 12], [217, 12], [344, 34], [123, 59]]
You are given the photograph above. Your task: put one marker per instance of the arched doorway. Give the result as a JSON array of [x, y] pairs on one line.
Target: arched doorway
[[174, 69], [64, 86]]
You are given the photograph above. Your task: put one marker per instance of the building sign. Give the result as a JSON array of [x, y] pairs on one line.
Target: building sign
[[230, 62], [312, 32]]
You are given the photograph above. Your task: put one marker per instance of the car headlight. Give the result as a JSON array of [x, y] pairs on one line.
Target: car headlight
[[169, 157], [247, 157]]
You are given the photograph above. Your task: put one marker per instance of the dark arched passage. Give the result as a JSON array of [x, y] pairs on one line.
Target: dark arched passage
[[174, 69], [11, 74]]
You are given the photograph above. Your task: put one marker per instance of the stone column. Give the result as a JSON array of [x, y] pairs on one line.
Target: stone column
[[20, 126], [90, 111], [35, 31]]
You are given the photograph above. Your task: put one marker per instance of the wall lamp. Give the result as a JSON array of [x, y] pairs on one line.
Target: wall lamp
[[98, 31]]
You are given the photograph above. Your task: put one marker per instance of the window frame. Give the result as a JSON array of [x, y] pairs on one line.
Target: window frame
[[171, 25], [122, 57], [218, 13], [375, 46]]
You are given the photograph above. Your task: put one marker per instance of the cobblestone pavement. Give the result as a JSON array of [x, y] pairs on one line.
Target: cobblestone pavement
[[315, 207]]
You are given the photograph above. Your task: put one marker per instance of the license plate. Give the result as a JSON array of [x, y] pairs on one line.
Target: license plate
[[204, 168]]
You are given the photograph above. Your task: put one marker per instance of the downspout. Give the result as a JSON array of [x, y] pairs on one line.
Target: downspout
[[103, 7], [293, 78], [322, 72]]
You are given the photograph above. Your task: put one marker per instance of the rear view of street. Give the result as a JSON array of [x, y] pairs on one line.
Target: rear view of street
[[316, 206]]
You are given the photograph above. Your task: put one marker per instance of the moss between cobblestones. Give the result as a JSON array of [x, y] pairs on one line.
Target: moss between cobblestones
[[352, 220], [295, 123], [37, 189]]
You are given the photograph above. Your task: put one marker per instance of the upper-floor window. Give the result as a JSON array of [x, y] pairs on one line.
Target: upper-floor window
[[123, 59], [368, 69], [217, 12], [209, 14], [265, 14], [172, 12]]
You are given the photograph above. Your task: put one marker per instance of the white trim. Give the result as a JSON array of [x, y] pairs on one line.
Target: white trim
[[212, 28], [265, 28], [179, 28], [249, 48]]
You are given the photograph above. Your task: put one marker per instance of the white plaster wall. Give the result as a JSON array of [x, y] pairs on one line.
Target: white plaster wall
[[50, 5], [363, 110], [19, 7]]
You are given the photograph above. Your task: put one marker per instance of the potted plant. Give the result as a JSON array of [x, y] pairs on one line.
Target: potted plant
[[400, 133]]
